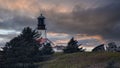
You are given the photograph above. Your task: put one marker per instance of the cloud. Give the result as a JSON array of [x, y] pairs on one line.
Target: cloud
[[95, 18], [102, 20]]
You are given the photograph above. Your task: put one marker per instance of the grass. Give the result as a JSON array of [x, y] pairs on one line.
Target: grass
[[81, 60]]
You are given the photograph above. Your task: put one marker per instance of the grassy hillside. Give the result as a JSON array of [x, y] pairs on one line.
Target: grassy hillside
[[82, 60]]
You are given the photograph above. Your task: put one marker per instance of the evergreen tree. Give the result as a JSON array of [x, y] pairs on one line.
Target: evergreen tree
[[22, 48], [72, 47], [47, 49]]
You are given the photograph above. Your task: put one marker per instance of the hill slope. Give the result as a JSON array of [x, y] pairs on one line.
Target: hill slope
[[82, 60]]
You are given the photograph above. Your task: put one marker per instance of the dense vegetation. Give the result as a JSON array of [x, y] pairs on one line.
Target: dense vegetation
[[23, 50], [23, 47]]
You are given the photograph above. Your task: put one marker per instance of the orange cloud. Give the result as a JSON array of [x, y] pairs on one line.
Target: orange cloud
[[65, 41], [77, 37], [31, 6], [57, 34], [85, 36]]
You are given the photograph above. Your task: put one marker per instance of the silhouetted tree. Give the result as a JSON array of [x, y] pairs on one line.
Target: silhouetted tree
[[22, 48], [112, 47], [2, 59], [72, 47], [47, 49]]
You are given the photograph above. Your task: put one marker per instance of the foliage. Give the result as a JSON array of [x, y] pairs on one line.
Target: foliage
[[72, 47], [22, 48], [47, 49]]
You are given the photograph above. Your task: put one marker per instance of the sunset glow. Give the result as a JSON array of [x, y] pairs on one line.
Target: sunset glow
[[90, 22]]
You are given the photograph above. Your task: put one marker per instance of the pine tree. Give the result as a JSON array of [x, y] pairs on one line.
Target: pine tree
[[47, 49], [22, 48], [72, 47]]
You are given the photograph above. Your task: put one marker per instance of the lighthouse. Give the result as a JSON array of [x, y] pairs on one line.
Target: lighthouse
[[42, 26]]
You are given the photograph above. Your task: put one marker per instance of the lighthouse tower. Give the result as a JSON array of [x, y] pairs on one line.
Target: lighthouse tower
[[41, 27]]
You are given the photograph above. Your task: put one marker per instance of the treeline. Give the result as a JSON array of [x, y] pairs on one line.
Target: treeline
[[23, 50]]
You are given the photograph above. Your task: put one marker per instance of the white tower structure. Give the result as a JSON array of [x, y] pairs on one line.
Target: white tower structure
[[41, 27]]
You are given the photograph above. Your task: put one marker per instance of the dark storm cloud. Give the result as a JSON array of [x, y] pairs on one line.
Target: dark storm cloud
[[104, 21], [15, 21], [92, 17], [101, 20]]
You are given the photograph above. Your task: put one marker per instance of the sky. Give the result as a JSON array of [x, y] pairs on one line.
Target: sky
[[91, 22]]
